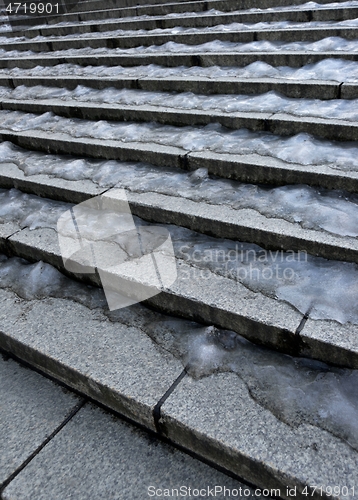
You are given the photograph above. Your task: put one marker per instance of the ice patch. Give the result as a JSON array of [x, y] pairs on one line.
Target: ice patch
[[40, 280], [29, 210]]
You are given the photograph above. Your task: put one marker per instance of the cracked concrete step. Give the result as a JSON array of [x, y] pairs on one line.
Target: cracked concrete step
[[131, 377], [253, 168], [194, 21], [279, 58], [215, 220], [277, 123], [223, 301], [312, 89], [131, 41]]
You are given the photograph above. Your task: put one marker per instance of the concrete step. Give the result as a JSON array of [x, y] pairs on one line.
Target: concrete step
[[191, 21], [251, 168], [277, 123], [314, 89], [222, 221], [279, 58], [141, 379], [125, 42]]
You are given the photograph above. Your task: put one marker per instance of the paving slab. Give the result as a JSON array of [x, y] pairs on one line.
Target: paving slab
[[116, 365], [266, 170], [217, 416], [99, 456], [31, 409], [96, 148]]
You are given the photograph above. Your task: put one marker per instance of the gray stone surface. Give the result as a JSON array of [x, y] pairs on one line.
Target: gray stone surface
[[116, 365], [96, 148], [251, 226], [218, 417], [11, 176], [327, 333], [97, 456], [31, 408]]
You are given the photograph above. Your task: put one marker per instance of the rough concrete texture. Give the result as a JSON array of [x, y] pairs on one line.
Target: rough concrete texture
[[97, 456], [327, 333], [11, 176], [31, 408], [217, 416], [116, 365]]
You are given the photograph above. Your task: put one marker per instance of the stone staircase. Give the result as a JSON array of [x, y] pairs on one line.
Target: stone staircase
[[233, 125]]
